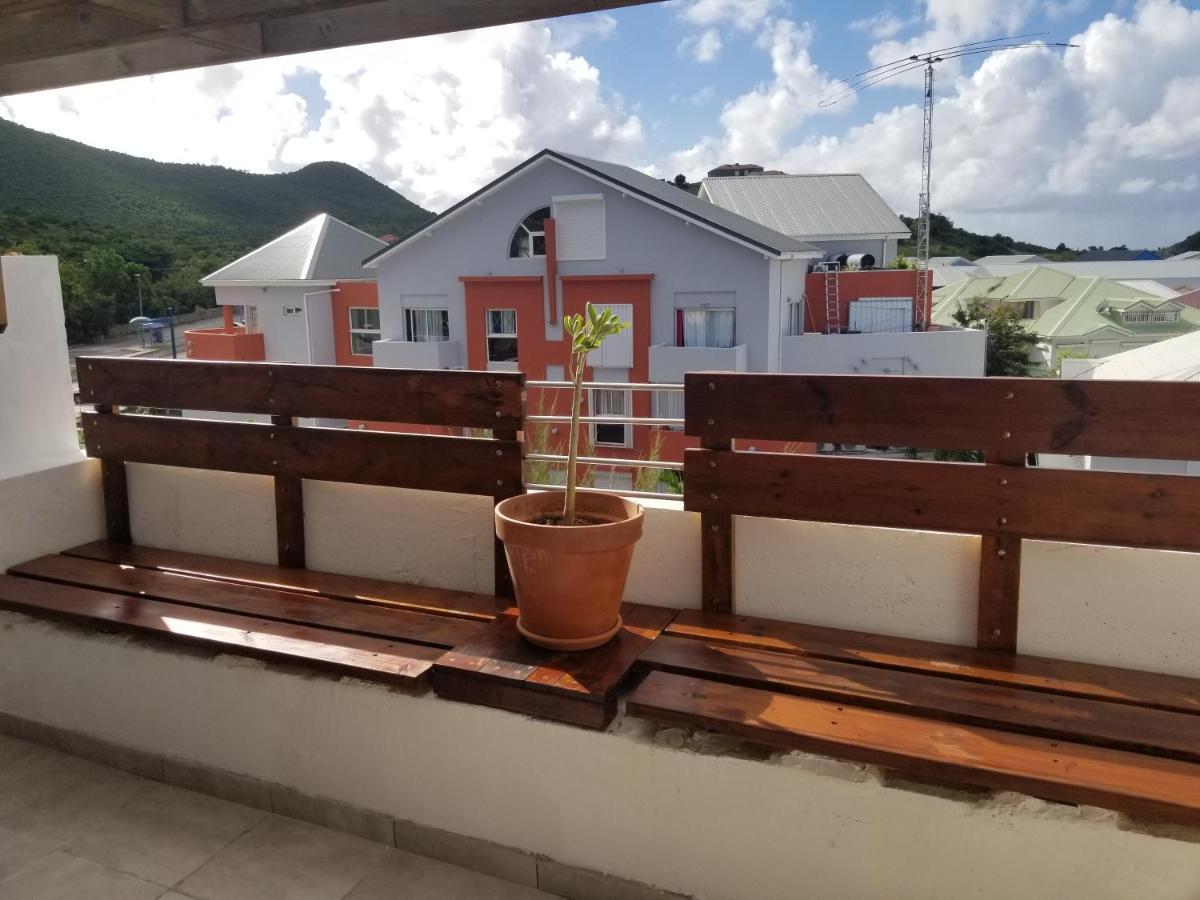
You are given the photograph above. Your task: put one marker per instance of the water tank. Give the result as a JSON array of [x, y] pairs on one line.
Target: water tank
[[861, 261], [841, 260]]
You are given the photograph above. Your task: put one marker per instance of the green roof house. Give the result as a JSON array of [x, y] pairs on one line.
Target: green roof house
[[1078, 315]]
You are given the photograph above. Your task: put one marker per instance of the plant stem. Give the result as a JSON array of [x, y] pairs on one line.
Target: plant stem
[[573, 441]]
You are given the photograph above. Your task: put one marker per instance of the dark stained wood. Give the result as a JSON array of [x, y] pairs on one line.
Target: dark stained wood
[[1057, 770], [716, 545], [435, 463], [517, 698], [1150, 689], [254, 600], [1005, 707], [115, 487], [500, 668], [420, 598], [289, 512], [416, 396], [1000, 570], [364, 657], [1103, 418], [503, 584], [1159, 511]]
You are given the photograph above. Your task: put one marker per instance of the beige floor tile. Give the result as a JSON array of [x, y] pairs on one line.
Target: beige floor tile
[[406, 876], [280, 859], [60, 876], [18, 850], [165, 834]]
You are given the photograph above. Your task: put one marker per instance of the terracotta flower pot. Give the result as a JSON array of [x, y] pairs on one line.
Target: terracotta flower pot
[[569, 579]]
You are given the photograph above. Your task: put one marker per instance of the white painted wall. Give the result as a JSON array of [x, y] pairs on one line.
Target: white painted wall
[[912, 353], [306, 338], [37, 413]]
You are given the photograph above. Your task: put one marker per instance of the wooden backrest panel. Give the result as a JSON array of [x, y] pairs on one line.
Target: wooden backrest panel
[[1001, 499], [1159, 511], [1158, 420], [416, 396], [470, 400], [434, 463]]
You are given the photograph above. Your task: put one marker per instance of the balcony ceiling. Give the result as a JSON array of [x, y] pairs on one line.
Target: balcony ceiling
[[55, 43]]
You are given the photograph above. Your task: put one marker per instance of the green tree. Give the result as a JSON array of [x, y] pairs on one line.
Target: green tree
[[1009, 342]]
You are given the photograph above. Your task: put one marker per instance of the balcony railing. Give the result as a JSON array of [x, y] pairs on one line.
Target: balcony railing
[[220, 345], [671, 363], [396, 354]]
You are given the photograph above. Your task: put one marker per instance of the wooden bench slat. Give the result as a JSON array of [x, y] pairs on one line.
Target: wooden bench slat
[[264, 602], [1100, 418], [1118, 725], [415, 396], [418, 461], [1056, 770], [1171, 692], [358, 655], [419, 598]]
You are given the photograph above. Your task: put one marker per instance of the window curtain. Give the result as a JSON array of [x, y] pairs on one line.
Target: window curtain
[[720, 328], [426, 325], [708, 327], [694, 330]]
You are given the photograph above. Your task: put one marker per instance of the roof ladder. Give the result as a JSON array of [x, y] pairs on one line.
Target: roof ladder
[[833, 306]]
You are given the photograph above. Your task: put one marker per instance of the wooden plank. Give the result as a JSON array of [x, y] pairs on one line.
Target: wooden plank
[[601, 671], [115, 486], [716, 544], [1171, 692], [1133, 783], [421, 598], [999, 570], [415, 396], [503, 583], [1008, 708], [1157, 511], [289, 512], [427, 462], [498, 652], [364, 657], [515, 697], [262, 602], [1102, 418]]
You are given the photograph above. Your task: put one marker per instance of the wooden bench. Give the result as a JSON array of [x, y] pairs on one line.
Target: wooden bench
[[367, 627], [985, 715]]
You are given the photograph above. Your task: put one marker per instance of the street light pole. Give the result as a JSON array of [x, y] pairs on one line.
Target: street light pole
[[137, 276], [171, 317]]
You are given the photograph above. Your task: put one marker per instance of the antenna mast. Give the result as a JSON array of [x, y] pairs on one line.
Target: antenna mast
[[926, 60]]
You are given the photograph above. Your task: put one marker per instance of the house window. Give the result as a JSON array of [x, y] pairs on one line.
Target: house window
[[608, 402], [364, 330], [529, 238], [502, 335], [667, 405], [1029, 309], [704, 328], [1165, 315], [427, 325], [795, 317]]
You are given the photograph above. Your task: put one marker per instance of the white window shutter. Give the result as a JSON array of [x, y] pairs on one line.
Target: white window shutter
[[579, 226], [617, 351]]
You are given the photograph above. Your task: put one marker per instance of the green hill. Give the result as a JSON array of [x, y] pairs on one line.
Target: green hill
[[947, 239], [109, 216]]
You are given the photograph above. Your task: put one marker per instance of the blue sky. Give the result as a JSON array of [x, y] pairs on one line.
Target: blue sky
[[1094, 145]]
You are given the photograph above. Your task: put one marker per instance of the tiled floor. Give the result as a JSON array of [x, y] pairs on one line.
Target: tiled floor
[[74, 830]]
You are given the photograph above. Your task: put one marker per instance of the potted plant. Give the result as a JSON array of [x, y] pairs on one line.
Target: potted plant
[[568, 551]]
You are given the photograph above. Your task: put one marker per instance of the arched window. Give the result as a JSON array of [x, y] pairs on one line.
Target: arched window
[[529, 238]]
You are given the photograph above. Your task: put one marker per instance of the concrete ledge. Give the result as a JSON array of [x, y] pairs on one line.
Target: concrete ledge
[[478, 855]]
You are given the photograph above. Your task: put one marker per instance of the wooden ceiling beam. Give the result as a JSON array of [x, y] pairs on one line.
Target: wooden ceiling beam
[[57, 43]]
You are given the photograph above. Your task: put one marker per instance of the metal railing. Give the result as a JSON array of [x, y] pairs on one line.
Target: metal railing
[[612, 462]]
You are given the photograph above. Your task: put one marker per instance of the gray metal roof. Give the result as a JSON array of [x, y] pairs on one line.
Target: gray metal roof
[[1012, 259], [322, 249], [692, 206], [808, 207]]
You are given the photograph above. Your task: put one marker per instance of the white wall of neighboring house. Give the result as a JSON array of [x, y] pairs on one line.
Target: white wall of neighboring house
[[945, 352], [306, 337], [37, 412]]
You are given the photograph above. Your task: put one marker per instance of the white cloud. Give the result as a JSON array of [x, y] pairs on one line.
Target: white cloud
[[1099, 144], [745, 15], [879, 27], [704, 47], [1062, 9], [433, 117], [569, 33]]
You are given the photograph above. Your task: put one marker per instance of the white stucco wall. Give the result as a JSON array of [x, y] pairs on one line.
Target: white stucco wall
[[916, 353], [304, 338], [37, 414]]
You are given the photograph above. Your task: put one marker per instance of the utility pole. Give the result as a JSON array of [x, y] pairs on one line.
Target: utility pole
[[137, 277], [922, 298]]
